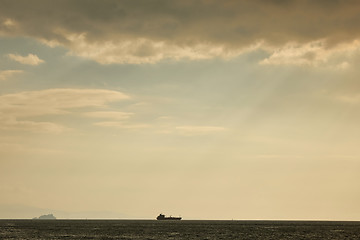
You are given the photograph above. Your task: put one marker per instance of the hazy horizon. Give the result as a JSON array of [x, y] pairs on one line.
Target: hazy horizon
[[205, 109]]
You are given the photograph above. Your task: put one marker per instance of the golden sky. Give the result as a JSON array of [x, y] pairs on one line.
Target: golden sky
[[205, 109]]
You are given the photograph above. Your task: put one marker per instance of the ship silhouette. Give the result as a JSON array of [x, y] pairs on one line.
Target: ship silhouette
[[162, 217]]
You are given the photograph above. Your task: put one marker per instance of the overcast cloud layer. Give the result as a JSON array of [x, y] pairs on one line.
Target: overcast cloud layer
[[148, 31]]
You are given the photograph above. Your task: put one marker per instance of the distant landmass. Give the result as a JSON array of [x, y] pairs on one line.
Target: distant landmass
[[47, 217]]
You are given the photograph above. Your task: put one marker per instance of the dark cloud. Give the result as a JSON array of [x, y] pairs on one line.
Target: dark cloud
[[229, 23]]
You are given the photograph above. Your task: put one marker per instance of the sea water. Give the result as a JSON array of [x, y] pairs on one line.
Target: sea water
[[184, 229]]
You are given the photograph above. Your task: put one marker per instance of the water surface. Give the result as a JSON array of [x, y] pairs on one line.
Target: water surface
[[184, 229]]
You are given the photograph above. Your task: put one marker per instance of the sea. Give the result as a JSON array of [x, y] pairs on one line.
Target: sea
[[184, 229]]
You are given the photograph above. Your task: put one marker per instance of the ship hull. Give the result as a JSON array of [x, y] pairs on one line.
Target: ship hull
[[168, 218], [162, 217]]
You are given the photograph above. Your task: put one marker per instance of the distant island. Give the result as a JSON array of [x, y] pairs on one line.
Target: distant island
[[46, 217]]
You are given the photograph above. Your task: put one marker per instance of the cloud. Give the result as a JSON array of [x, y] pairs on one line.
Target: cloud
[[313, 53], [30, 59], [117, 120], [123, 125], [56, 101], [342, 66], [351, 99], [142, 50], [17, 107], [6, 74], [296, 54], [47, 127], [109, 115], [145, 31], [8, 23], [198, 130], [8, 147]]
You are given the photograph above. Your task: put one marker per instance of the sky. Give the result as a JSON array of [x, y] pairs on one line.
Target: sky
[[205, 109]]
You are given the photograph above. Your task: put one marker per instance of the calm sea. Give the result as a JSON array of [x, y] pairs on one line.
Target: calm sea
[[152, 229]]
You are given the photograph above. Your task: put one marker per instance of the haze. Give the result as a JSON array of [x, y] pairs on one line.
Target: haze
[[205, 109]]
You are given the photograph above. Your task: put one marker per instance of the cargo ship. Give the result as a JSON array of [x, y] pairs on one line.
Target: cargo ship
[[162, 217]]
